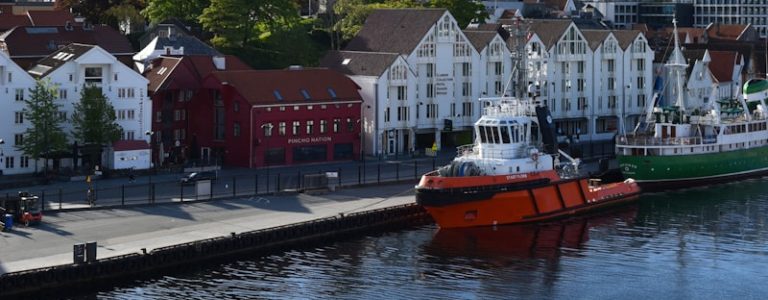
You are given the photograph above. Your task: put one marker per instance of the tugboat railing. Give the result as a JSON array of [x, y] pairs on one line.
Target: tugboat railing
[[654, 141], [472, 150]]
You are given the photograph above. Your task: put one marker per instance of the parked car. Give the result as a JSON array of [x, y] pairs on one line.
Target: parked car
[[197, 176]]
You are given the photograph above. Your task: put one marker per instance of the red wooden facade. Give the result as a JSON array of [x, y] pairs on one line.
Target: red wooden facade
[[282, 117]]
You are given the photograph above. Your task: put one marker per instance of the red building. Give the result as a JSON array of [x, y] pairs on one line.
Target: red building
[[181, 108], [282, 117]]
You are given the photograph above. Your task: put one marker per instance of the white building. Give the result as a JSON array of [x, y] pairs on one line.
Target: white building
[[14, 87], [73, 66], [420, 77], [596, 83], [707, 70], [754, 12]]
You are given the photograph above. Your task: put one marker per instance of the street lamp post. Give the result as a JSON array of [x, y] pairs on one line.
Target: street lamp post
[[152, 160], [2, 142], [269, 127]]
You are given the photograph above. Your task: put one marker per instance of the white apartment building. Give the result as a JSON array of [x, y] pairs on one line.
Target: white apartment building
[[622, 13], [596, 83], [14, 87], [420, 77], [72, 67], [744, 12]]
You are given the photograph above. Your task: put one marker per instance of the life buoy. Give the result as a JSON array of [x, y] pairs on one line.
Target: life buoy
[[535, 156]]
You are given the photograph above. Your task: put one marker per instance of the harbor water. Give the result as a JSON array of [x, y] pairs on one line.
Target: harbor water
[[703, 243]]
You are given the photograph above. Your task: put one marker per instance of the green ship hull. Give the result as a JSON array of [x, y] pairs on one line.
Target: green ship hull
[[689, 170]]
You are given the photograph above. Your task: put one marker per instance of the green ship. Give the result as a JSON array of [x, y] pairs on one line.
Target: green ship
[[677, 146]]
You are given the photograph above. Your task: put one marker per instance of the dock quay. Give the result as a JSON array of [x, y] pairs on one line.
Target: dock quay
[[137, 240]]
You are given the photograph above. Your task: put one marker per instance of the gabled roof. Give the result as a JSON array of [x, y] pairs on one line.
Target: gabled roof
[[595, 37], [723, 64], [200, 66], [162, 67], [262, 87], [33, 41], [8, 20], [191, 44], [358, 63], [480, 39], [625, 37], [395, 30], [57, 59], [726, 31], [549, 30], [130, 145], [50, 17]]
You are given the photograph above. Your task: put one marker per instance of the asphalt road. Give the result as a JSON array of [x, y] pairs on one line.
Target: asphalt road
[[126, 230], [230, 183]]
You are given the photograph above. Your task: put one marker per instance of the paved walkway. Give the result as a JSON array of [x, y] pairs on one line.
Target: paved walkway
[[124, 231]]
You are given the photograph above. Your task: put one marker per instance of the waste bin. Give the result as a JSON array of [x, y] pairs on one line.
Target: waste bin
[[8, 220]]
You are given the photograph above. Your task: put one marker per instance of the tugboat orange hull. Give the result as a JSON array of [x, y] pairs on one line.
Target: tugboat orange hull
[[460, 203]]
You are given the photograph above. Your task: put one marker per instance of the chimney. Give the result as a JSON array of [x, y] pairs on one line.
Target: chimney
[[220, 62]]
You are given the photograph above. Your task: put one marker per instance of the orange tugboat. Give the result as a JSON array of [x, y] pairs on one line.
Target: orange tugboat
[[512, 174]]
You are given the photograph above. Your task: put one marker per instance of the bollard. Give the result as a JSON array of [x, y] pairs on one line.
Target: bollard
[[433, 163], [122, 195], [415, 169], [42, 200], [397, 172], [60, 197], [181, 193], [234, 186], [378, 173], [278, 183], [298, 180], [78, 253], [339, 176], [153, 192], [359, 175], [90, 252], [256, 185]]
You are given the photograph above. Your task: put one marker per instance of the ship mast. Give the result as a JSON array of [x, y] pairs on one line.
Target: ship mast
[[677, 66]]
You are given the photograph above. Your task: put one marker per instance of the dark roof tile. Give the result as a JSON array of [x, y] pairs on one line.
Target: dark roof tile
[[258, 86], [358, 63], [394, 30]]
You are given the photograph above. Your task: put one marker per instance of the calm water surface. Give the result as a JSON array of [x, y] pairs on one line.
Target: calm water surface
[[706, 243]]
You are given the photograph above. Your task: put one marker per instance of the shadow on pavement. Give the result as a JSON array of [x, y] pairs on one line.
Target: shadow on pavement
[[52, 228]]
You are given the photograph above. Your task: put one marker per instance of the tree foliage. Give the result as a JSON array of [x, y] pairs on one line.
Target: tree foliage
[[239, 22], [94, 118], [185, 10], [95, 11], [464, 11], [45, 134]]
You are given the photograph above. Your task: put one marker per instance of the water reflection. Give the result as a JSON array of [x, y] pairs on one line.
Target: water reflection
[[514, 242], [698, 243]]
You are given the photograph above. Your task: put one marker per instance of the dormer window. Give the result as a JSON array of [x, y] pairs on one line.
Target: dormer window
[[277, 94], [305, 94]]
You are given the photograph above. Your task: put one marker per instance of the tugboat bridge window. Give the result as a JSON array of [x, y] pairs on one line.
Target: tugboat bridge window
[[505, 134]]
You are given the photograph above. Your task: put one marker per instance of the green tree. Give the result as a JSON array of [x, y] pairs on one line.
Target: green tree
[[239, 22], [94, 118], [464, 11], [187, 10], [45, 135], [126, 16], [95, 11]]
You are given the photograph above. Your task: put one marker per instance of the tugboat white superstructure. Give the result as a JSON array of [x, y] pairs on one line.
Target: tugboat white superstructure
[[512, 174]]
